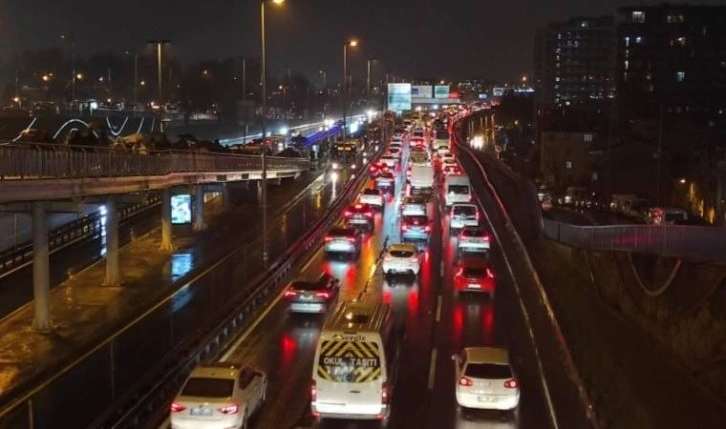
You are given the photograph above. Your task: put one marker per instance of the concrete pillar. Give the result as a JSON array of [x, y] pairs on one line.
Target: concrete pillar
[[226, 202], [167, 244], [112, 243], [41, 269], [258, 184], [199, 224]]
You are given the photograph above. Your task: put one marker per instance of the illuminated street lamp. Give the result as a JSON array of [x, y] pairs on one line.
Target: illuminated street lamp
[[46, 77], [79, 76], [352, 43], [263, 79]]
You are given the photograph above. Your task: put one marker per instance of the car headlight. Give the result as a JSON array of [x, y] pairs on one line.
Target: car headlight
[[335, 166]]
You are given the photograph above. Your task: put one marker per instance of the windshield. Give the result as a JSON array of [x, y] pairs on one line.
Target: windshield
[[349, 361], [474, 272], [473, 233], [401, 253], [342, 232], [208, 387], [303, 285], [416, 220], [458, 189], [464, 211], [442, 135], [488, 370], [372, 192]]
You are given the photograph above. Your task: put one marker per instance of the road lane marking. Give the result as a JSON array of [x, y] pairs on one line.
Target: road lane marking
[[432, 369], [252, 327], [438, 309], [441, 270], [307, 264]]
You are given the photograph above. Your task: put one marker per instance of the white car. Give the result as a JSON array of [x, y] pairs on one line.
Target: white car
[[401, 258], [485, 380], [390, 160], [372, 197], [463, 215], [474, 239], [218, 395], [414, 206]]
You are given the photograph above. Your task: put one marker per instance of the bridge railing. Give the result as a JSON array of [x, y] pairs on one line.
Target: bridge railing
[[678, 241], [38, 161]]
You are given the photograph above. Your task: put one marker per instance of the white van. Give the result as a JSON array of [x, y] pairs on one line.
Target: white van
[[458, 189], [355, 363], [422, 176], [441, 144]]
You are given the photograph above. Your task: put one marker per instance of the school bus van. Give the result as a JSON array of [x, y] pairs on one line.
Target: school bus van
[[355, 363]]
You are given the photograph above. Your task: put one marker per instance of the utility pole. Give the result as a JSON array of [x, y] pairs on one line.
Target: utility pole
[[660, 156]]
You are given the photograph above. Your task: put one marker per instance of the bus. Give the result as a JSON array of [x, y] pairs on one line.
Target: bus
[[355, 363]]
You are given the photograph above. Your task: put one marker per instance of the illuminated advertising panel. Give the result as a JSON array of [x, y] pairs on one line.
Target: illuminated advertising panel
[[181, 209], [399, 96], [441, 91], [422, 91]]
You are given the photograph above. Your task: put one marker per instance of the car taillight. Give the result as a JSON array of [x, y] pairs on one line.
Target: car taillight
[[314, 391], [477, 215], [460, 272], [471, 197], [486, 238], [490, 273], [404, 227], [369, 214], [413, 258], [290, 293], [350, 239], [177, 408], [229, 409], [428, 228], [466, 382], [325, 295], [328, 239], [511, 383], [385, 393], [347, 213]]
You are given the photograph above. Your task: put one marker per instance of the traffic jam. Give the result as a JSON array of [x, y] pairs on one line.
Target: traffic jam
[[416, 208]]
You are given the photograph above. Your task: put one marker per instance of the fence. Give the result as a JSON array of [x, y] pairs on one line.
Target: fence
[[678, 241], [37, 161]]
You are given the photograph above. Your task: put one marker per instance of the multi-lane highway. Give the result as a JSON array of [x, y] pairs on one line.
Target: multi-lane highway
[[437, 322]]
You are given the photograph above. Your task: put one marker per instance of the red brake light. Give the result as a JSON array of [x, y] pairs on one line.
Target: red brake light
[[358, 206], [428, 228], [325, 295], [176, 408], [290, 293], [328, 239], [487, 238], [460, 271], [369, 214], [385, 394], [229, 409], [404, 227], [314, 391], [511, 383], [347, 213], [490, 273], [477, 215], [466, 381], [351, 239]]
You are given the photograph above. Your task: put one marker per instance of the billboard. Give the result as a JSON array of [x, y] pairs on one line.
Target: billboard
[[497, 91], [441, 91], [399, 96], [181, 209], [421, 91]]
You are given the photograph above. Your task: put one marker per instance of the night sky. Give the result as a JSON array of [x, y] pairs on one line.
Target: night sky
[[422, 38]]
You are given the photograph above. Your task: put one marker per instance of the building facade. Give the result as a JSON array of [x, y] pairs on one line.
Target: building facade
[[565, 158], [575, 64], [672, 61]]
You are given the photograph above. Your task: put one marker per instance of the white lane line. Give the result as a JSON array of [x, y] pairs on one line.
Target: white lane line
[[252, 327], [432, 369], [438, 309], [441, 270]]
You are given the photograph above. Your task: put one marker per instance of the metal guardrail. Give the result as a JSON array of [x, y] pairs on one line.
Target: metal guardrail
[[562, 387], [677, 241], [38, 161], [87, 227]]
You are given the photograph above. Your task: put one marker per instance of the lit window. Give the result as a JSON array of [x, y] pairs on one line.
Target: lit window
[[675, 19], [588, 137], [638, 16], [680, 76], [568, 165], [638, 40]]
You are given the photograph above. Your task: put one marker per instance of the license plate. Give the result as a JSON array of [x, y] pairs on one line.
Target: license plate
[[484, 398], [206, 412], [474, 286]]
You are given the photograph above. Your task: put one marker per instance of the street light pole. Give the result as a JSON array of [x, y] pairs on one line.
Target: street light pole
[[244, 98], [263, 78], [136, 80], [160, 77], [352, 43]]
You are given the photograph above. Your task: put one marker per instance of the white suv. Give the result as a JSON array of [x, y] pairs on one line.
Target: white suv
[[401, 258], [463, 215]]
